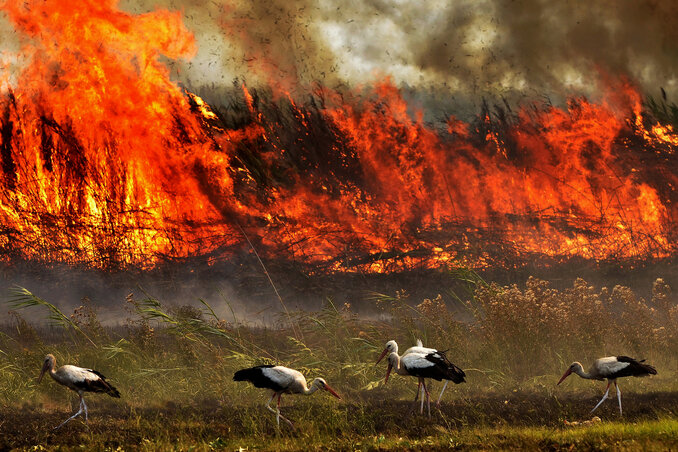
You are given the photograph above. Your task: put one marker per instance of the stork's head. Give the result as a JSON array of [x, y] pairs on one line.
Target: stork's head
[[322, 384], [575, 367], [49, 363], [393, 361], [391, 347]]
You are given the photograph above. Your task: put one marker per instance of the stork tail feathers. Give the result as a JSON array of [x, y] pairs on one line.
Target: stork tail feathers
[[256, 376], [649, 369], [241, 375], [449, 371], [456, 374], [637, 368], [247, 374], [112, 391]]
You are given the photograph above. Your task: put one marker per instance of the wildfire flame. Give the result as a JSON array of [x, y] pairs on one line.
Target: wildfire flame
[[105, 161]]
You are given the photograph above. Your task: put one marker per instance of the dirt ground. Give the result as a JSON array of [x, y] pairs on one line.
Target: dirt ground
[[112, 425]]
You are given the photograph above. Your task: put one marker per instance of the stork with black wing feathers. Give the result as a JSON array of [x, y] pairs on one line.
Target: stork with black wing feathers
[[610, 368], [281, 380], [79, 380], [435, 366], [392, 347]]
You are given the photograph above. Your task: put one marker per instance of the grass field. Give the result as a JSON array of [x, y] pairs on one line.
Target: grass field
[[464, 424], [174, 367]]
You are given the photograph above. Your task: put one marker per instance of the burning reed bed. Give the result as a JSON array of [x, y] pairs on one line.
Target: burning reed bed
[[345, 182], [174, 367]]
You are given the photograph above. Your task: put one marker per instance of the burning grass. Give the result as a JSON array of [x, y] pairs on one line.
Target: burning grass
[[174, 367], [350, 182], [106, 162]]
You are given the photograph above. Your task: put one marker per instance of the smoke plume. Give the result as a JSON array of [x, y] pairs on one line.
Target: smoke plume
[[462, 50]]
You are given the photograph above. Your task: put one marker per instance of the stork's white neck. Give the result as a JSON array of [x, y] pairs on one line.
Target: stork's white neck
[[52, 368], [394, 361], [311, 390], [579, 370]]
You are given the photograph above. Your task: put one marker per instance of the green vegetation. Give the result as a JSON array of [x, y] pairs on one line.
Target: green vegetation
[[174, 367]]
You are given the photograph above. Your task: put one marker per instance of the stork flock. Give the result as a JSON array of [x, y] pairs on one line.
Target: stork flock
[[418, 361]]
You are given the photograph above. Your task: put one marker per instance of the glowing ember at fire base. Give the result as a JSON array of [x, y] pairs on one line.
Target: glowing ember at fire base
[[106, 162]]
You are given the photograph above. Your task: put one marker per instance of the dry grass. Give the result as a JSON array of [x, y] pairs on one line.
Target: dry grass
[[177, 364]]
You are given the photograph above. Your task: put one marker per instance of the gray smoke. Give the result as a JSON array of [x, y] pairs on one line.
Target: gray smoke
[[462, 49]]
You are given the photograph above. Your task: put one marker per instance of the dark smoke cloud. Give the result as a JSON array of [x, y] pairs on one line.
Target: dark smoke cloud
[[457, 49], [462, 49]]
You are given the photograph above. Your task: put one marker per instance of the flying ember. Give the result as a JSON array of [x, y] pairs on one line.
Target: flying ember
[[107, 162]]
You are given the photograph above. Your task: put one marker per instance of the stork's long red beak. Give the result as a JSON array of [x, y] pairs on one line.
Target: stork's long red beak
[[42, 372], [388, 372], [381, 356], [565, 375], [332, 391]]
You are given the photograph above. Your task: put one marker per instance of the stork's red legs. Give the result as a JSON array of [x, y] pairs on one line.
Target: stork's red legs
[[428, 399], [607, 391], [278, 416]]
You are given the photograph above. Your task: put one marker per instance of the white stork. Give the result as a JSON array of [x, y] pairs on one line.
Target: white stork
[[422, 366], [392, 347], [281, 380], [611, 368], [79, 380]]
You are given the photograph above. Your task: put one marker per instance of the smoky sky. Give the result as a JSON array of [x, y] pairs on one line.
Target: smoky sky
[[459, 49]]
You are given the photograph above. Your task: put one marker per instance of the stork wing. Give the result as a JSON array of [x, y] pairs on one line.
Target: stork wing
[[282, 376], [414, 361], [417, 365], [86, 380], [609, 366]]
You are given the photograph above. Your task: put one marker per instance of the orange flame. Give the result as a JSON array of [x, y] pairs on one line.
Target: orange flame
[[105, 161]]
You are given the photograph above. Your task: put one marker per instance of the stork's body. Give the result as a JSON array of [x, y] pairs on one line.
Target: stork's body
[[79, 380], [425, 365], [610, 368], [392, 347], [281, 380]]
